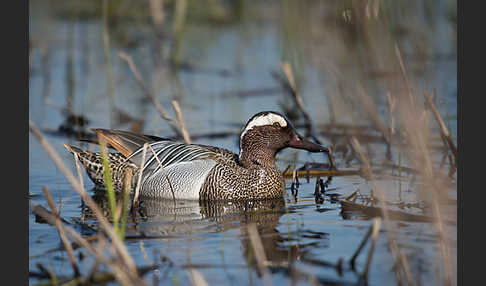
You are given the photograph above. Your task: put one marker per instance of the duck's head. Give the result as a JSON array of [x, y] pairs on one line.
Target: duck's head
[[265, 134]]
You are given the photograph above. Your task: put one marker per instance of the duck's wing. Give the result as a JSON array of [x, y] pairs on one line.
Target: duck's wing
[[169, 153], [125, 142]]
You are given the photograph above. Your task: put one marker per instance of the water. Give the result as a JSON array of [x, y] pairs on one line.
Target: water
[[69, 71]]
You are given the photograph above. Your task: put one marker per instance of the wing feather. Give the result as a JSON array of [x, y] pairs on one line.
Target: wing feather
[[167, 152], [170, 153]]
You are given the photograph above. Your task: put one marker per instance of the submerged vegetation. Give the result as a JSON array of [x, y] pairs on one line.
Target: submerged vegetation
[[373, 80]]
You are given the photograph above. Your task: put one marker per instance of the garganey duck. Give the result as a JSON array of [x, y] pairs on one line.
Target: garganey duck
[[192, 171]]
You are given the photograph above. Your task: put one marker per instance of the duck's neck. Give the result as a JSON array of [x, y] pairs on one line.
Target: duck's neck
[[252, 155]]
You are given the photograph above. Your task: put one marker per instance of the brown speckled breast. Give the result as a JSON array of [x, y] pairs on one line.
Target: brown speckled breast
[[229, 181]]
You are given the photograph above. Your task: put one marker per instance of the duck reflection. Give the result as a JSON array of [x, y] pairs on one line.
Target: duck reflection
[[164, 220]]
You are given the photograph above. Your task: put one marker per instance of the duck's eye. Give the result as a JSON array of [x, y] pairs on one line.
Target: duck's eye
[[276, 124]]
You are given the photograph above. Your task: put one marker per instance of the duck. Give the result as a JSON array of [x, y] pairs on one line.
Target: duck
[[177, 170]]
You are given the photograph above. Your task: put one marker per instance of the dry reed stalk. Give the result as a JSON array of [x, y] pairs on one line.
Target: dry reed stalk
[[99, 248], [48, 273], [443, 129], [292, 87], [287, 168], [374, 235], [67, 245], [287, 69], [105, 225], [259, 252], [293, 184], [323, 173], [148, 94], [107, 50], [352, 196], [180, 121], [452, 166], [165, 173], [117, 216], [392, 104], [401, 261], [80, 176], [369, 106], [139, 181], [180, 16], [144, 252], [127, 181], [405, 77], [157, 12], [124, 275], [127, 187], [421, 159], [178, 23], [361, 245], [197, 278], [78, 170], [42, 212]]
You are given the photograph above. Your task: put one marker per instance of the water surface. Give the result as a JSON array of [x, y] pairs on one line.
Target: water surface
[[228, 78]]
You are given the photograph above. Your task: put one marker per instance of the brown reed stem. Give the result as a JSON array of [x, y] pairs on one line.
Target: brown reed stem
[[401, 261], [323, 173], [361, 246], [405, 77], [139, 181], [67, 245], [292, 87], [368, 104], [78, 170], [122, 274], [423, 162], [107, 50], [99, 248], [259, 252], [165, 173], [105, 225], [443, 129], [148, 93], [374, 235], [178, 23], [180, 121], [197, 278], [81, 183], [392, 104], [157, 13]]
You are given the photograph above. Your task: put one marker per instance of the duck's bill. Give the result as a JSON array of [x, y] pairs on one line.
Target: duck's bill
[[300, 143]]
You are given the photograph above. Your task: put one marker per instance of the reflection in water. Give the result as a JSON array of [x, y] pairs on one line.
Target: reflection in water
[[164, 220]]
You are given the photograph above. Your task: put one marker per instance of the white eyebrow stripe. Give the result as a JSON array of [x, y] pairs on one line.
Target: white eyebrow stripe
[[267, 119]]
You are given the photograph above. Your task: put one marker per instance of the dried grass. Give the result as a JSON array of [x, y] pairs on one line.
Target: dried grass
[[123, 266]]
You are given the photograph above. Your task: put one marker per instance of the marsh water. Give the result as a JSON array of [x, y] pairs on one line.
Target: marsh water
[[226, 54]]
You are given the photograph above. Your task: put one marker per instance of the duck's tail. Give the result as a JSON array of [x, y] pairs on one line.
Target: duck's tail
[[93, 164]]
